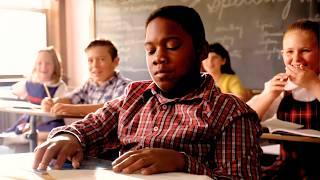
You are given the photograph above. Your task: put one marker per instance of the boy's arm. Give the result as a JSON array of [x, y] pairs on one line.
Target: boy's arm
[[48, 104], [87, 108], [97, 132], [237, 153], [62, 100], [75, 109]]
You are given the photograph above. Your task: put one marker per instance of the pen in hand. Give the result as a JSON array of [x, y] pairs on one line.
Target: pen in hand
[[47, 90]]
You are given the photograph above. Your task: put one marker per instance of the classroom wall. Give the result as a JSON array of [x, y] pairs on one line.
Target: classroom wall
[[78, 34]]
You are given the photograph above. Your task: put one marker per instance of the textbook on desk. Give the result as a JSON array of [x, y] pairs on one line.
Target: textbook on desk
[[277, 126]]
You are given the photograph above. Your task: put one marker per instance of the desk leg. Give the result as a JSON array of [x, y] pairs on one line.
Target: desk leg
[[33, 134]]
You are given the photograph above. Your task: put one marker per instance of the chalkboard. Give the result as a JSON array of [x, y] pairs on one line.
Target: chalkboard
[[250, 29]]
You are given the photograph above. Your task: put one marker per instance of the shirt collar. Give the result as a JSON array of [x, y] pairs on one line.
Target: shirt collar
[[107, 82], [203, 92]]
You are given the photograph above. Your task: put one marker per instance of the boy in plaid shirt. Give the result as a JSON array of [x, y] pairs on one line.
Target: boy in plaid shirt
[[104, 84], [179, 121]]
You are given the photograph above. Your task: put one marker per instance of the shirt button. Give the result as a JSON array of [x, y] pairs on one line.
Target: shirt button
[[164, 107], [155, 128]]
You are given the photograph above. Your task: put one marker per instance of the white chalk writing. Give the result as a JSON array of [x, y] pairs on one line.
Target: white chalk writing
[[231, 27], [220, 5], [269, 42]]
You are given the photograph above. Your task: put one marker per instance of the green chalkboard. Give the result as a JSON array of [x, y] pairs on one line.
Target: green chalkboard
[[250, 29]]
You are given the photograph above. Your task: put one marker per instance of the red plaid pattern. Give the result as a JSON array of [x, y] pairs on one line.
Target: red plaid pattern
[[297, 160], [218, 133]]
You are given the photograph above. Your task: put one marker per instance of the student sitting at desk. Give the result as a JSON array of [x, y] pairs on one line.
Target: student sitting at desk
[[104, 84], [294, 96], [45, 78], [179, 121], [218, 65]]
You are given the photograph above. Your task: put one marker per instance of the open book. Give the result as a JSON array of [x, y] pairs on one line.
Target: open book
[[277, 126]]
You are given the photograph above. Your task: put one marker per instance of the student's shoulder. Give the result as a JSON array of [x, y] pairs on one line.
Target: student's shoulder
[[230, 104], [228, 109], [135, 85], [123, 79], [220, 97], [213, 94]]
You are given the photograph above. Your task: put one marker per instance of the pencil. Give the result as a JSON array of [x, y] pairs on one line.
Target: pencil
[[47, 90]]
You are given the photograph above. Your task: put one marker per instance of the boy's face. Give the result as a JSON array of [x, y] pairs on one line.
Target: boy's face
[[300, 48], [101, 65], [170, 54], [44, 67]]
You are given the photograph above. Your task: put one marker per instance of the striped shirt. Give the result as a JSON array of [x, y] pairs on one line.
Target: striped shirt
[[91, 93], [218, 133]]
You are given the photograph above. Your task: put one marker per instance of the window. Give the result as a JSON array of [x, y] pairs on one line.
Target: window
[[23, 32]]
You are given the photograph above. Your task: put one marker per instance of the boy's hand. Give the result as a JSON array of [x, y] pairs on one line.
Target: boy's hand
[[62, 108], [46, 104], [61, 148], [149, 161]]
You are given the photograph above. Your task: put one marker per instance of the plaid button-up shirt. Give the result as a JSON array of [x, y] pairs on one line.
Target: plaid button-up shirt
[[218, 133], [91, 93]]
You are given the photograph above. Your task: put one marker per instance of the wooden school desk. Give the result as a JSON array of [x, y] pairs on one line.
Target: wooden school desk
[[289, 138], [22, 107], [274, 149], [19, 166]]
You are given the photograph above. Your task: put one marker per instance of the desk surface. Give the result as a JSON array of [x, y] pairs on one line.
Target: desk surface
[[22, 107], [18, 166], [293, 138]]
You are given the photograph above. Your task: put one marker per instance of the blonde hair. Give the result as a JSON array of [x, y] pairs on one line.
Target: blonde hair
[[56, 75], [306, 25]]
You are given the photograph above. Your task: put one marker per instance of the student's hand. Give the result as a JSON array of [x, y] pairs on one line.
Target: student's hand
[[301, 76], [149, 161], [46, 104], [62, 108], [61, 148], [275, 86]]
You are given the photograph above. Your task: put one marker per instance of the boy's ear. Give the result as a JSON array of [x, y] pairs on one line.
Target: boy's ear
[[116, 61], [204, 51], [224, 61]]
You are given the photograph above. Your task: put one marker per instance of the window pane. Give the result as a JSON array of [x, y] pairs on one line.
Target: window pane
[[35, 4], [22, 34]]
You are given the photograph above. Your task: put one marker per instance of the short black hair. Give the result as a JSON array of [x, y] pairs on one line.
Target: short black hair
[[221, 51], [188, 18], [106, 43]]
